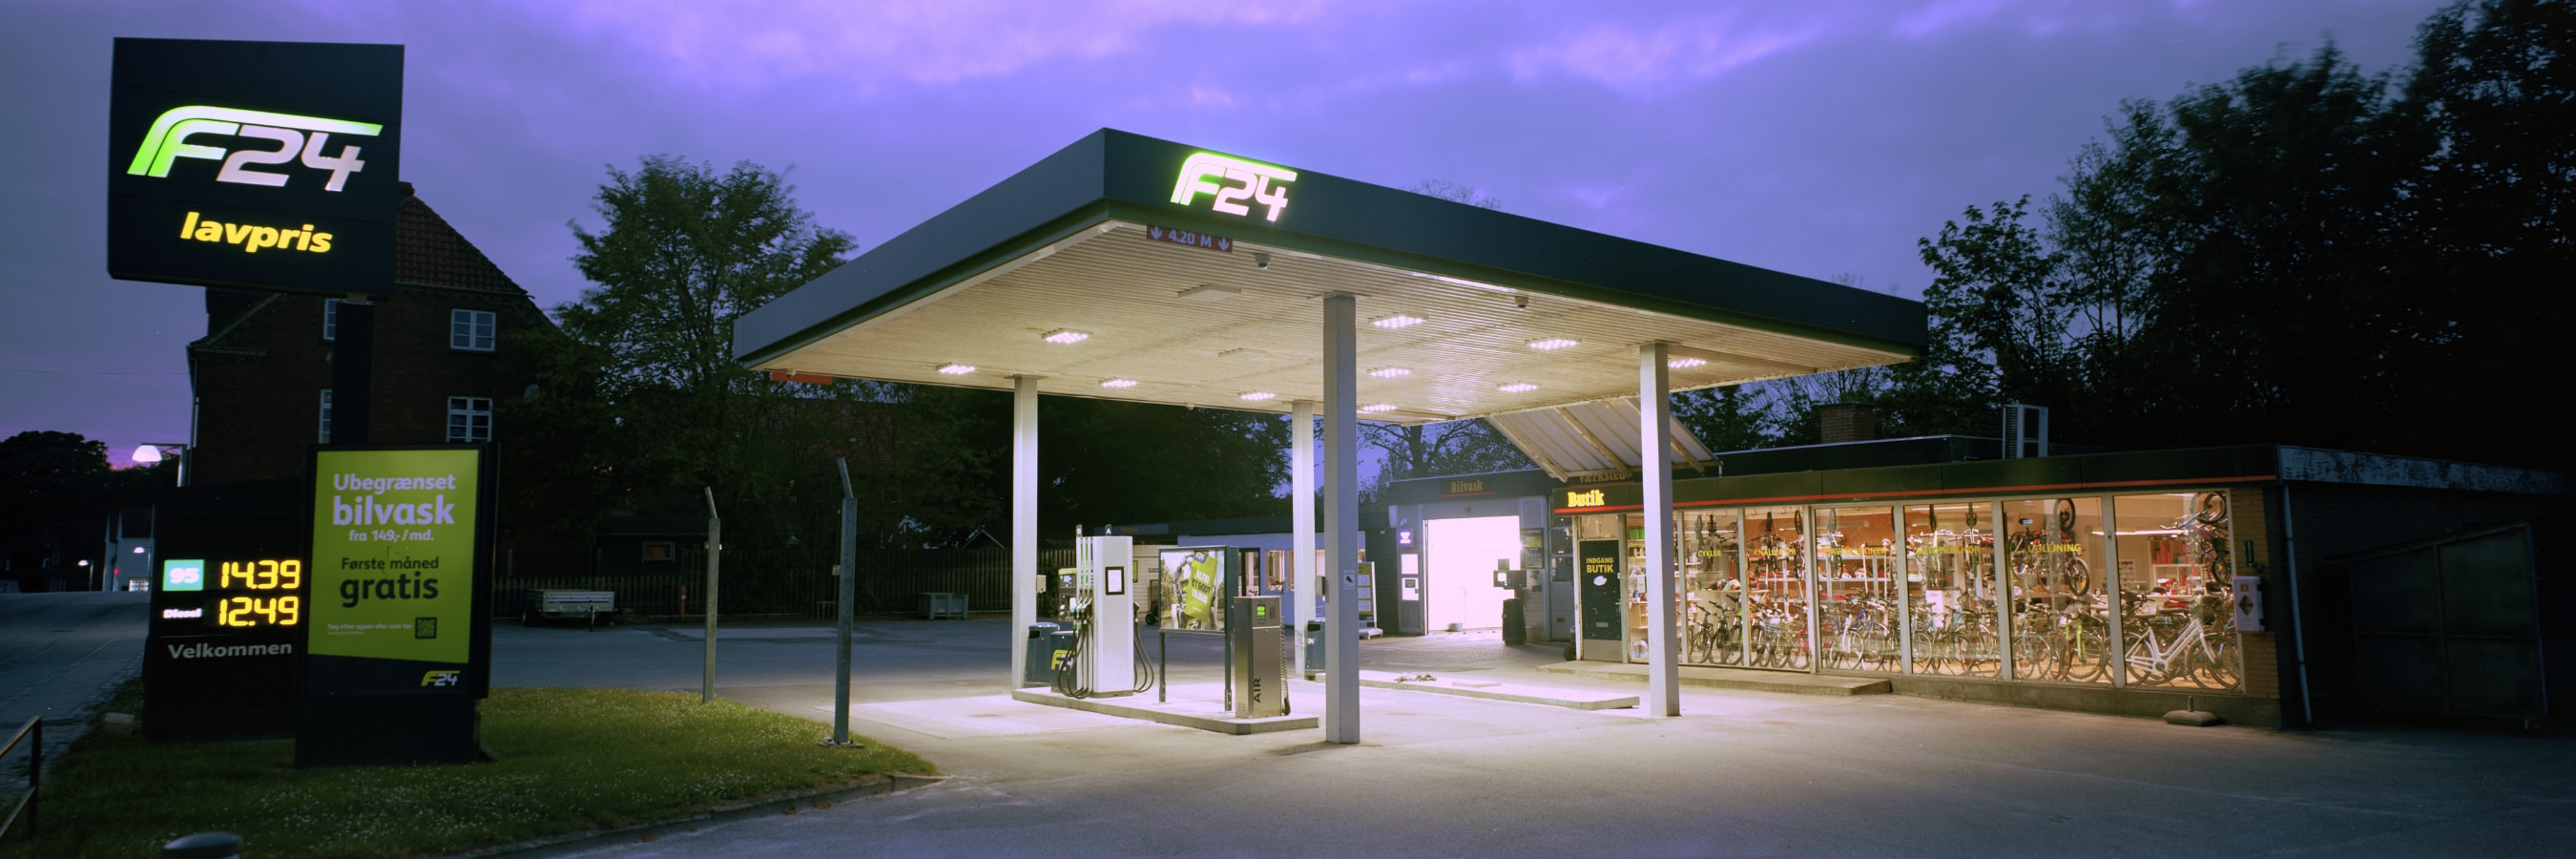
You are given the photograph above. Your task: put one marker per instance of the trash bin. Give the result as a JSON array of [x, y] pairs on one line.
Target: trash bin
[[1514, 632], [1046, 642], [1314, 648]]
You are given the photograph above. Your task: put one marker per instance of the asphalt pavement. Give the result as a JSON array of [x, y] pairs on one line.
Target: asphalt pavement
[[61, 656], [1739, 773]]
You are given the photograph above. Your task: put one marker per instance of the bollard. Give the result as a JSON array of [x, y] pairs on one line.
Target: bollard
[[204, 845]]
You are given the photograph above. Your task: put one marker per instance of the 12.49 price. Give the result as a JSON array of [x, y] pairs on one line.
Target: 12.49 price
[[284, 610]]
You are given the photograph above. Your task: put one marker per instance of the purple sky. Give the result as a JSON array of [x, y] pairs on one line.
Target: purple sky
[[1820, 138]]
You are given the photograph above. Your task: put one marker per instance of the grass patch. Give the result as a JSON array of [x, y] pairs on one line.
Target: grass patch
[[570, 760]]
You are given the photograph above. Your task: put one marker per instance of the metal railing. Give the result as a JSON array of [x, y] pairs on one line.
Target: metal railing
[[34, 733]]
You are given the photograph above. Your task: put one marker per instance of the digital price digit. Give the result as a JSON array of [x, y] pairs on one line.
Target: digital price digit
[[287, 610]]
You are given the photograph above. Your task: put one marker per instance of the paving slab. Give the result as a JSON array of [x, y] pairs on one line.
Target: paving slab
[[1470, 687], [1735, 678], [1189, 706]]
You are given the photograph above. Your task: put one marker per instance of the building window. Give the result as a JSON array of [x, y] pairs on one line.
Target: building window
[[470, 330], [660, 551], [326, 416], [469, 419], [330, 319]]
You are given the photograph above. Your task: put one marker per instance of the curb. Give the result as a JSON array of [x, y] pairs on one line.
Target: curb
[[821, 797]]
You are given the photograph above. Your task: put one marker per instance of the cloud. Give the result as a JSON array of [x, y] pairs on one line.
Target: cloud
[[1631, 57], [925, 42]]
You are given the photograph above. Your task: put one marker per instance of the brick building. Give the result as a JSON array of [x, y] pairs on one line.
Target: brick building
[[261, 376]]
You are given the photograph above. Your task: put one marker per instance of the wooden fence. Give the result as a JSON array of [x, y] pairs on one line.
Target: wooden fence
[[792, 582]]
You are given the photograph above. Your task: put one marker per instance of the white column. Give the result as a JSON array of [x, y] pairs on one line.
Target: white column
[[1654, 461], [1024, 521], [1341, 521], [1301, 524]]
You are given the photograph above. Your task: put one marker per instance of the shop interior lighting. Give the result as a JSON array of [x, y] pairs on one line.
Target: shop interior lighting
[[1258, 396], [1374, 408], [1517, 388], [1399, 320], [1119, 383], [1686, 363], [1390, 372], [1552, 344], [2149, 532], [956, 369], [1067, 335]]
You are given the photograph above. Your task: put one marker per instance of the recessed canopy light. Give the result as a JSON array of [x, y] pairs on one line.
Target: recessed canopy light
[[1686, 363], [1399, 320], [1390, 372], [1374, 408], [1067, 335], [1119, 383], [1552, 344], [1517, 388], [1258, 396], [956, 369]]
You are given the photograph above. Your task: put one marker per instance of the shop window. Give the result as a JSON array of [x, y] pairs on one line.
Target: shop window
[[326, 416], [2053, 557], [660, 551], [1775, 573], [469, 419], [471, 330], [2177, 591], [1857, 611], [330, 319], [1950, 590], [1713, 605]]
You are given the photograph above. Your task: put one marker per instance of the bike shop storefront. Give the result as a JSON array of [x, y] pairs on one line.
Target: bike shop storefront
[[2100, 582]]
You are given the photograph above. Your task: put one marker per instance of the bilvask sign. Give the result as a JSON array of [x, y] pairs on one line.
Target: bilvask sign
[[255, 165]]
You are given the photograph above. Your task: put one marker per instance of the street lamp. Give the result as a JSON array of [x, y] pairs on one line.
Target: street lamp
[[148, 454]]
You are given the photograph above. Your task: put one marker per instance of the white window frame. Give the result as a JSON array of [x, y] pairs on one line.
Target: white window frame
[[326, 416], [469, 419], [473, 330], [330, 320]]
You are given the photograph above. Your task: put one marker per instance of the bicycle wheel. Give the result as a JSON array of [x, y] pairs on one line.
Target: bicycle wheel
[[2086, 657], [2144, 668], [1980, 653], [2210, 507], [2031, 657], [2226, 667], [2076, 576]]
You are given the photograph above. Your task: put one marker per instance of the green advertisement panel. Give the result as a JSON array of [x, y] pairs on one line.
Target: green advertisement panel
[[394, 556]]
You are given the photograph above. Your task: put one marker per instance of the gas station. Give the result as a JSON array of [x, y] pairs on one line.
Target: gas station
[[1130, 268]]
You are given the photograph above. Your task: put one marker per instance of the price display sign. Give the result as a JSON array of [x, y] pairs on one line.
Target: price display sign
[[230, 603]]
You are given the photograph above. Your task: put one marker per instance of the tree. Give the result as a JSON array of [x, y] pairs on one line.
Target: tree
[[49, 477]]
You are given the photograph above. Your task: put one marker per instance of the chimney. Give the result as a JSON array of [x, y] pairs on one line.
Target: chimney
[[1843, 422]]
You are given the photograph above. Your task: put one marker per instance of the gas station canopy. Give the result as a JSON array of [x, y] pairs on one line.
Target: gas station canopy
[[1126, 267]]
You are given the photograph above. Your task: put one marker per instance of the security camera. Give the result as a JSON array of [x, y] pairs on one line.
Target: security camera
[[1260, 259]]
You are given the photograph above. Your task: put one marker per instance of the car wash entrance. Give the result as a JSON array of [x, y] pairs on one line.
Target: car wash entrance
[[1125, 267], [1459, 586]]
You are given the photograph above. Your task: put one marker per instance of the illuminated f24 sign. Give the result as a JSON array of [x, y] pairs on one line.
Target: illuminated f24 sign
[[1232, 181], [299, 138]]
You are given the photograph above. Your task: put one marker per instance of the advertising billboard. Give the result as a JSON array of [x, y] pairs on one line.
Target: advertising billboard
[[399, 544], [255, 165]]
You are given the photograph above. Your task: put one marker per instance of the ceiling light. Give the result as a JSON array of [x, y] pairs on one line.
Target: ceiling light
[[1686, 363], [1258, 396], [1119, 383], [1067, 335], [956, 369], [1210, 292], [1390, 372], [1399, 320], [1517, 388], [1374, 408], [1551, 344]]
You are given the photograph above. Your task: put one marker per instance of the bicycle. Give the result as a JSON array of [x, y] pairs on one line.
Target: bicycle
[[2193, 653]]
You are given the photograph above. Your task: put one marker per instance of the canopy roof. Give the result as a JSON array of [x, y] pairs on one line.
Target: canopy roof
[[1195, 276]]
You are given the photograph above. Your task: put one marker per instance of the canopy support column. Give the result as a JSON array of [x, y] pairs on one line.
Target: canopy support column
[[1655, 462], [1024, 521], [1301, 526], [1341, 520]]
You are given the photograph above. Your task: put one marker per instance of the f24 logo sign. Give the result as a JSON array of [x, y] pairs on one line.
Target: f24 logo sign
[[298, 138], [1232, 181]]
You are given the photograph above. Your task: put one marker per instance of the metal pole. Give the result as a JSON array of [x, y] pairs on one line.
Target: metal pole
[[1655, 454], [849, 576], [1341, 520], [1024, 521], [715, 559]]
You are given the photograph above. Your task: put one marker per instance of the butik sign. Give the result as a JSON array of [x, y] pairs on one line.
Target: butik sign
[[255, 165]]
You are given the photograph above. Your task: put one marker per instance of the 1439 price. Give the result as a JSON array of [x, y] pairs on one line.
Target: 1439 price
[[285, 610], [283, 575]]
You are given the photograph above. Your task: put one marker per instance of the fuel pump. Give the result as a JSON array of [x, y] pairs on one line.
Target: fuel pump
[[1107, 657]]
